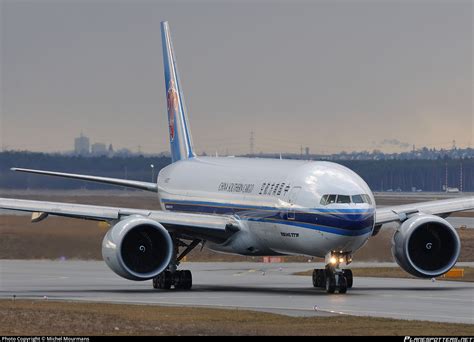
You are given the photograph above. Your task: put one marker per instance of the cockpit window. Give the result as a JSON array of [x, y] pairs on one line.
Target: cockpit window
[[343, 199], [356, 199], [367, 198]]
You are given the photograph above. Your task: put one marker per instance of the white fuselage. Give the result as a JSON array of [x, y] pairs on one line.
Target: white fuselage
[[278, 202]]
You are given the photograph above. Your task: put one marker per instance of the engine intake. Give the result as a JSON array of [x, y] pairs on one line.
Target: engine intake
[[137, 248], [426, 246]]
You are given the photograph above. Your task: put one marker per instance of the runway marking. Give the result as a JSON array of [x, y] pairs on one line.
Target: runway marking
[[429, 298]]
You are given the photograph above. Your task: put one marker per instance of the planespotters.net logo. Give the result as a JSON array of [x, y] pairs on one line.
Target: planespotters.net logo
[[438, 339]]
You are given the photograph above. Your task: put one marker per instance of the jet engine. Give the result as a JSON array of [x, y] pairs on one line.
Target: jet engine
[[137, 248], [426, 246]]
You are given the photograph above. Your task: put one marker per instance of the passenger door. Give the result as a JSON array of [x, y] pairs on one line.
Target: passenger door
[[292, 197]]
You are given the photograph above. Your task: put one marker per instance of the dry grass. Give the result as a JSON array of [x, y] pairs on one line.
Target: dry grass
[[395, 272], [67, 318]]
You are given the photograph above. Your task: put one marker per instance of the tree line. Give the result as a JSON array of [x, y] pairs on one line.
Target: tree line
[[381, 175]]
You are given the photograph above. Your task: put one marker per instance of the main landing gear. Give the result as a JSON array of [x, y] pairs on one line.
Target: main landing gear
[[180, 280], [332, 278]]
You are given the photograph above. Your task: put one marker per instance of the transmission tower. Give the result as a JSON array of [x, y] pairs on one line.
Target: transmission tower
[[252, 143]]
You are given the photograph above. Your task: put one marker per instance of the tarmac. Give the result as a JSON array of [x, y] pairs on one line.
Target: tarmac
[[244, 286]]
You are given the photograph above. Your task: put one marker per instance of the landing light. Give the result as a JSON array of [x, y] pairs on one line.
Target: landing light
[[341, 260], [333, 260]]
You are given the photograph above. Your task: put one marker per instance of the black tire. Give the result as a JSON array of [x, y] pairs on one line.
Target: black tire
[[315, 278], [187, 280], [155, 282], [183, 280], [321, 278], [342, 284], [164, 280], [349, 278], [330, 283], [178, 280]]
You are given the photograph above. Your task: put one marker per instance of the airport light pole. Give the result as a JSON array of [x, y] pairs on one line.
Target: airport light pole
[[152, 172]]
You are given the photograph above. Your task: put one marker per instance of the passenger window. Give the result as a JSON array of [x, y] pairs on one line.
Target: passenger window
[[275, 189], [265, 192], [343, 199], [324, 200], [357, 199], [331, 199], [271, 189], [280, 189]]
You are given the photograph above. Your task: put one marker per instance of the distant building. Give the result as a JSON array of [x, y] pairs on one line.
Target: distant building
[[123, 152], [82, 146], [99, 149]]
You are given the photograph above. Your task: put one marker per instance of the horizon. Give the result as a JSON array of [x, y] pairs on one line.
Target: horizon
[[127, 152]]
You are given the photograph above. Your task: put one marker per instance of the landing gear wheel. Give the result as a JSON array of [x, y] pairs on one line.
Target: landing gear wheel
[[178, 280], [187, 279], [163, 280], [183, 280], [319, 278], [342, 284], [330, 283], [315, 278], [349, 277]]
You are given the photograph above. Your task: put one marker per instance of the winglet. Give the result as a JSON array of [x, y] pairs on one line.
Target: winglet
[[179, 133]]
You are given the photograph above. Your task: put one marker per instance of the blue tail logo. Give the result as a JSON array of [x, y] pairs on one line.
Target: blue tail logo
[[180, 137]]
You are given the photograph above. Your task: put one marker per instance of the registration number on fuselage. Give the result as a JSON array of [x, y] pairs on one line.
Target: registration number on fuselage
[[291, 235]]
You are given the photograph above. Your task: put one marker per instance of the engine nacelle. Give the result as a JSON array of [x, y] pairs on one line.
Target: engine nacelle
[[137, 248], [426, 246]]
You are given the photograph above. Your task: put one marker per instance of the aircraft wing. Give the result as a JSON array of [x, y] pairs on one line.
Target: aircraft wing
[[204, 226], [441, 208], [105, 180]]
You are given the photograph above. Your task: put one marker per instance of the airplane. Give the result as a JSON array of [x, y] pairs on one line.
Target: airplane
[[254, 207]]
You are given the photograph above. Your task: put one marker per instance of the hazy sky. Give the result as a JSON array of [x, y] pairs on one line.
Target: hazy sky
[[331, 75]]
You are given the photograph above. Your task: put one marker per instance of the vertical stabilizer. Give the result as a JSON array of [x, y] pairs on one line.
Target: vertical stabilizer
[[180, 137]]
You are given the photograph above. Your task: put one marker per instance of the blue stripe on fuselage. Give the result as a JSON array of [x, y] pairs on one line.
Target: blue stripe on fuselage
[[332, 230], [337, 221]]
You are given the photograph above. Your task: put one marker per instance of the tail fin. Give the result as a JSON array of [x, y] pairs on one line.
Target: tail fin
[[180, 136]]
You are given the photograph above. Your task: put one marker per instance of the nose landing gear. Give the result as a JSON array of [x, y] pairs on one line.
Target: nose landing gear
[[333, 278]]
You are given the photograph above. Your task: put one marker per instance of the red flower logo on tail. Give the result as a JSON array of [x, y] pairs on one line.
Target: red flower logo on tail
[[172, 99]]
